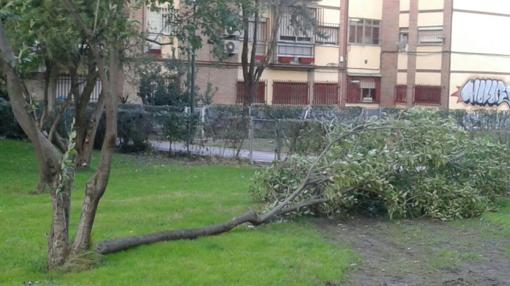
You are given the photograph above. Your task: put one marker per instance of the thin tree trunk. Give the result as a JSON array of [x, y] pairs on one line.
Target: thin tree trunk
[[47, 119], [58, 239], [43, 183], [97, 185], [84, 158], [86, 127]]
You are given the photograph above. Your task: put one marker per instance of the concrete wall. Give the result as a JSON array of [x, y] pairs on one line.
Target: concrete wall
[[479, 47]]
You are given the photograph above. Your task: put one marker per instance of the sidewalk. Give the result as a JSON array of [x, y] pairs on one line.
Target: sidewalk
[[258, 156]]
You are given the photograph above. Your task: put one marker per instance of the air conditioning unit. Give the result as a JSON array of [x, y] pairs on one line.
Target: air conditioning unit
[[232, 47]]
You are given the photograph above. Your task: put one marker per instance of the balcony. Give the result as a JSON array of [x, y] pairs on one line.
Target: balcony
[[294, 53]]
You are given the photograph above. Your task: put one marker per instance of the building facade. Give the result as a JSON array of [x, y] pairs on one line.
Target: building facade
[[373, 53]]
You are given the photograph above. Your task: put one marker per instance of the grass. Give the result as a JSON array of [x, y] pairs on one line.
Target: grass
[[148, 195]]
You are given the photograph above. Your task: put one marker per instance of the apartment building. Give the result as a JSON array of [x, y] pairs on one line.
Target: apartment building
[[376, 53]]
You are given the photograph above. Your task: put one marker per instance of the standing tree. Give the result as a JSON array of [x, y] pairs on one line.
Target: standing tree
[[302, 20], [106, 30], [52, 42]]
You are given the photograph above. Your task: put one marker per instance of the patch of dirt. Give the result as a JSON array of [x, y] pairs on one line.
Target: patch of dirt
[[422, 253]]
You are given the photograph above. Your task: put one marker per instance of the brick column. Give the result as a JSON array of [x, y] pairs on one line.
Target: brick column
[[343, 39], [411, 55], [447, 55], [389, 55], [311, 82]]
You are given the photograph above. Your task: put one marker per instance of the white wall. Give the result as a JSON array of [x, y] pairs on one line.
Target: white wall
[[370, 9], [480, 45], [492, 6]]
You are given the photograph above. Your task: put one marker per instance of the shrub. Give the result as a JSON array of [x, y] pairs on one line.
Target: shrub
[[303, 137], [419, 163], [134, 128], [175, 126]]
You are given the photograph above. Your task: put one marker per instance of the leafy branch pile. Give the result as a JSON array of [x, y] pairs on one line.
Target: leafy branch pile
[[417, 163]]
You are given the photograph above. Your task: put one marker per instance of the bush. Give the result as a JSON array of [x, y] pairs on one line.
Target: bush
[[134, 128], [175, 126], [9, 127], [420, 164], [302, 137], [134, 125]]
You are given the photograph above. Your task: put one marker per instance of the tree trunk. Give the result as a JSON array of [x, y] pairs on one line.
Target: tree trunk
[[43, 183], [251, 217], [58, 239], [88, 213], [84, 157], [97, 185], [85, 124]]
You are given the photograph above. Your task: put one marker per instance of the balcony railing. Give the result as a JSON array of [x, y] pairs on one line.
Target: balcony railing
[[288, 53]]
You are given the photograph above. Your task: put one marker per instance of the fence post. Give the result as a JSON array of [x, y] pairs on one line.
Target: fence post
[[278, 149], [202, 122], [251, 135]]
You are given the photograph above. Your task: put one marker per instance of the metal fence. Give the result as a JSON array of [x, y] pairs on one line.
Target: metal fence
[[268, 133], [290, 93], [64, 84]]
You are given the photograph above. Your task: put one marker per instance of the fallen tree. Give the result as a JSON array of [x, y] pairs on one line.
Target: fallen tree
[[286, 206], [414, 164]]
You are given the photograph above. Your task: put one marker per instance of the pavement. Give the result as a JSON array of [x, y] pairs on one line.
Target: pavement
[[261, 157]]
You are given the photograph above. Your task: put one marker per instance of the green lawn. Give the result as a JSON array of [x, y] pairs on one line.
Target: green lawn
[[147, 195]]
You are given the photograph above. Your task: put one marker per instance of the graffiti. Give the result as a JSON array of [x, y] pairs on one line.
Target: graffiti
[[485, 92]]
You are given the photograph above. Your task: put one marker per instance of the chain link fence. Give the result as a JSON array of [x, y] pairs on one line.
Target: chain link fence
[[264, 134], [259, 133]]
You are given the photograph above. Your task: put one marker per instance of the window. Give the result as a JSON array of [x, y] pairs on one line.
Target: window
[[158, 21], [293, 30], [368, 91], [430, 35], [158, 26], [261, 31], [364, 31], [403, 39], [327, 34], [427, 95], [363, 90], [64, 85], [293, 50]]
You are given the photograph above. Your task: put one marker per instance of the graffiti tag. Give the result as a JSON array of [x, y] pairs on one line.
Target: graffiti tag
[[485, 92]]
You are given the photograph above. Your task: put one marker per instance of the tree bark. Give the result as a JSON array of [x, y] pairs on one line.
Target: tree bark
[[96, 187], [251, 217], [83, 123], [58, 240], [84, 158], [87, 126], [42, 186]]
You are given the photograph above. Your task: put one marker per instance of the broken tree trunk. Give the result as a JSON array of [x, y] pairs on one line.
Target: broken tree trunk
[[251, 217]]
